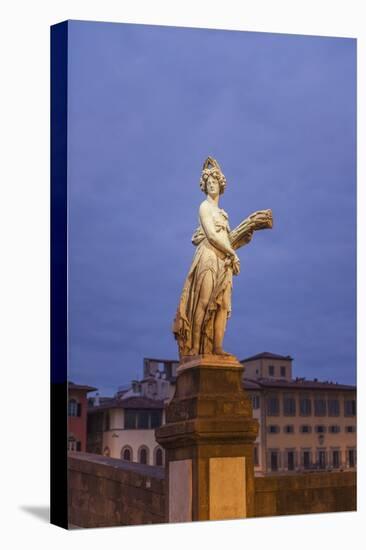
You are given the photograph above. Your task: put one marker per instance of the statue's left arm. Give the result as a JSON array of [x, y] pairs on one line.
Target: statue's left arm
[[242, 234]]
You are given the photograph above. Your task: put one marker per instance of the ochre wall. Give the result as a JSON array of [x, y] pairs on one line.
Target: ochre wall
[[313, 493], [107, 492]]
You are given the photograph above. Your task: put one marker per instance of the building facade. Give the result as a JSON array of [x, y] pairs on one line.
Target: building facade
[[124, 426], [304, 425], [77, 416]]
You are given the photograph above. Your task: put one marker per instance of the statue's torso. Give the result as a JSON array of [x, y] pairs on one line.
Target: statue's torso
[[221, 224]]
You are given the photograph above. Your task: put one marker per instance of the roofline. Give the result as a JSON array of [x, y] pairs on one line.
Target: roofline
[[309, 385], [123, 404], [269, 356], [161, 360], [72, 386]]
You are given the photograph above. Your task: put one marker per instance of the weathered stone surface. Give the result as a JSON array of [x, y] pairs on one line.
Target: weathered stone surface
[[106, 492], [120, 502], [209, 417], [226, 475], [180, 491], [305, 494]]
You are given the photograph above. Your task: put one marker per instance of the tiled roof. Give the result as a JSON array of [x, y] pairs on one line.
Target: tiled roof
[[295, 384], [137, 402], [142, 403], [161, 360], [266, 355], [73, 386]]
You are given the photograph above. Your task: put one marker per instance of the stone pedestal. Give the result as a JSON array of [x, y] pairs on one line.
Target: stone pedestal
[[208, 440]]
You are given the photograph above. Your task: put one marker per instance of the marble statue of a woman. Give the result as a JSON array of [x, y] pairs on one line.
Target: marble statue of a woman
[[205, 303]]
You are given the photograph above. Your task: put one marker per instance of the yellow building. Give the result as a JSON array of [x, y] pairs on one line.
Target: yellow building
[[303, 424]]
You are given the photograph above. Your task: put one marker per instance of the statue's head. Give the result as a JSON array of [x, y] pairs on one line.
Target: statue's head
[[211, 168]]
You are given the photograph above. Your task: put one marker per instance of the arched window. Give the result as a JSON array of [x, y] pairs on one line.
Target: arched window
[[73, 408], [143, 455], [126, 453], [107, 451], [159, 457]]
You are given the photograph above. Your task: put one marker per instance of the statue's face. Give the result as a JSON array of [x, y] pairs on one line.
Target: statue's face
[[212, 186]]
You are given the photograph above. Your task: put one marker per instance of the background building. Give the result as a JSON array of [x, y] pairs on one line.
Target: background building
[[304, 425], [124, 426], [77, 416]]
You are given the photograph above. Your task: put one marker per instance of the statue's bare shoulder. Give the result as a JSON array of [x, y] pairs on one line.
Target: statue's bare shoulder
[[205, 208], [204, 205]]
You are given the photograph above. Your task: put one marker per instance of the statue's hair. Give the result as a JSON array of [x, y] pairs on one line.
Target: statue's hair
[[211, 168]]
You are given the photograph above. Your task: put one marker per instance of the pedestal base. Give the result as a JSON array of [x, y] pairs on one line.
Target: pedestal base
[[208, 438]]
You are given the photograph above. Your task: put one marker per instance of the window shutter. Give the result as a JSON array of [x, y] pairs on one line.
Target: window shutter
[[78, 445], [79, 409]]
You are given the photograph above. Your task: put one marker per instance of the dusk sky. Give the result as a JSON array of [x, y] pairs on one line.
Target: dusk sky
[[147, 105]]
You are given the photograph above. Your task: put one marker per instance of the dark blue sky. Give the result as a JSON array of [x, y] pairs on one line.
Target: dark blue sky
[[147, 105]]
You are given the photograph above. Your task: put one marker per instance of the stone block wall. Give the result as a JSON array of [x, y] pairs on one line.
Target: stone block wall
[[284, 495], [108, 492]]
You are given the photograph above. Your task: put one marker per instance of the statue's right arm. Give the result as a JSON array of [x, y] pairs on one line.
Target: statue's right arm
[[214, 238]]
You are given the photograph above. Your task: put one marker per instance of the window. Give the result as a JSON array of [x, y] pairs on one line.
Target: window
[[272, 429], [351, 457], [289, 405], [130, 420], [255, 402], [271, 370], [305, 406], [142, 419], [273, 406], [334, 429], [73, 408], [283, 372], [159, 457], [350, 407], [320, 406], [290, 457], [306, 458], [289, 429], [305, 429], [321, 459], [155, 419], [336, 458], [274, 460], [350, 429], [71, 444], [126, 454], [143, 455], [255, 455], [320, 429], [333, 407]]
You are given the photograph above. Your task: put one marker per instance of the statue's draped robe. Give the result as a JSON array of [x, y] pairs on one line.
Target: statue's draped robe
[[206, 259]]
